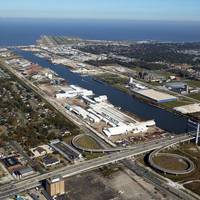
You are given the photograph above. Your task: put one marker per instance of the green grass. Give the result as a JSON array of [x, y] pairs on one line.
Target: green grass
[[185, 150], [115, 81], [193, 83], [195, 96], [173, 104], [90, 156], [166, 74], [109, 170], [169, 162], [88, 142], [1, 172], [112, 79], [194, 187]]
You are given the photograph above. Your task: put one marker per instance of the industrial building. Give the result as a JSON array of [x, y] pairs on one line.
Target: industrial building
[[84, 113], [120, 123], [135, 85], [156, 96], [74, 91], [11, 163], [55, 186], [100, 110], [140, 127], [110, 114], [101, 98], [48, 161], [67, 151], [177, 87], [23, 172], [187, 109]]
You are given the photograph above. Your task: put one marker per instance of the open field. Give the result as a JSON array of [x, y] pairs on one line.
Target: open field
[[189, 150], [89, 186], [177, 103], [88, 142], [115, 184], [195, 96], [193, 83], [114, 80], [170, 163], [1, 172], [194, 187]]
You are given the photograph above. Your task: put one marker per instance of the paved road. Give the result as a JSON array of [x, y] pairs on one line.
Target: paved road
[[168, 91], [110, 149], [172, 192], [15, 188], [72, 117]]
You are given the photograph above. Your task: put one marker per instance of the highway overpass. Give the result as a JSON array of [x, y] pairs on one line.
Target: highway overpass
[[71, 170]]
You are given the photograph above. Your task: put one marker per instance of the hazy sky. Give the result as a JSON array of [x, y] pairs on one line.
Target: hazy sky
[[103, 9]]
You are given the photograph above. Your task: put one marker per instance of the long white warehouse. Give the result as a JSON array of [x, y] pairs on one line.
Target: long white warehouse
[[139, 127], [74, 91]]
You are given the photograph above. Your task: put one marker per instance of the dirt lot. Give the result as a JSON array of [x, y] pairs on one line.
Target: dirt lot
[[118, 185], [89, 186]]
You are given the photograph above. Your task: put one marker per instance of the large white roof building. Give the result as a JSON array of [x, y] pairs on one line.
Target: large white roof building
[[74, 91]]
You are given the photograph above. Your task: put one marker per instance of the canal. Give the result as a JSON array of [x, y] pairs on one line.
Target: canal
[[164, 119]]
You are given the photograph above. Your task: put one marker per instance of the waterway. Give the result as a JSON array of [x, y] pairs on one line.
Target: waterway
[[164, 119], [15, 31]]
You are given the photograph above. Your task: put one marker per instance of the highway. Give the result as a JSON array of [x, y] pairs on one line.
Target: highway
[[110, 149], [71, 170], [159, 182], [58, 107]]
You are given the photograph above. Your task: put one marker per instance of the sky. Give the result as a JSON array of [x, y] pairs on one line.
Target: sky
[[172, 10]]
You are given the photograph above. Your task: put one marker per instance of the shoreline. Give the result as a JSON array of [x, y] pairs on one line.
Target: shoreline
[[145, 100]]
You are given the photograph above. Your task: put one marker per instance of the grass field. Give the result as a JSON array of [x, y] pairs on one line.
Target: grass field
[[170, 163], [177, 103], [195, 187], [193, 152], [1, 172], [91, 156], [114, 80], [189, 150], [195, 96], [88, 142], [193, 83]]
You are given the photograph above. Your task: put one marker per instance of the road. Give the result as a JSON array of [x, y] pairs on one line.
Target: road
[[158, 88], [59, 108], [159, 182], [71, 170], [16, 188]]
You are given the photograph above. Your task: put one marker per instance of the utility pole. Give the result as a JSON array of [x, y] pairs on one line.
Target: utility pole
[[197, 136]]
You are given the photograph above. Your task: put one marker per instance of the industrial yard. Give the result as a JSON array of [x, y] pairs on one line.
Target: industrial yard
[[99, 100], [160, 88], [104, 123], [39, 152], [80, 101]]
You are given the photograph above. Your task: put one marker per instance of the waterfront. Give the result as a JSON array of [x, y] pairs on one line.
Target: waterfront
[[27, 31], [164, 119]]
